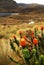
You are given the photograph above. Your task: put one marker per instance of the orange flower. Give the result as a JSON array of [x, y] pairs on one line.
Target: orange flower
[[32, 36], [35, 41], [23, 42], [14, 36], [32, 32], [20, 32], [42, 27]]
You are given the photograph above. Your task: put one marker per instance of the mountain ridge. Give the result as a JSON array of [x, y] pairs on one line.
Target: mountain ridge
[[12, 6]]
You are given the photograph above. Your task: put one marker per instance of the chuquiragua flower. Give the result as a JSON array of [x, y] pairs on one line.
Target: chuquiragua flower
[[35, 41], [23, 42], [14, 36], [42, 27]]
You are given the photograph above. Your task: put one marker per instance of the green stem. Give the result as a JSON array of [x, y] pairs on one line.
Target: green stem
[[27, 62]]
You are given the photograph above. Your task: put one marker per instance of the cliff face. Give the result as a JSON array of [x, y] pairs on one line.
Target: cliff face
[[8, 6]]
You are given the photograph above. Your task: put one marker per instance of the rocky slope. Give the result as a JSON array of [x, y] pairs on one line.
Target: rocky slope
[[8, 6]]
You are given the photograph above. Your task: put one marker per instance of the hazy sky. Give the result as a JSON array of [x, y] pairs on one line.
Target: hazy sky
[[30, 1]]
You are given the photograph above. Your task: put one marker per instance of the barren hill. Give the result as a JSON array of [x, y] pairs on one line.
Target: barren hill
[[8, 6]]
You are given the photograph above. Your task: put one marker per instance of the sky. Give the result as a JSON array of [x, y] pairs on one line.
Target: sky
[[30, 1]]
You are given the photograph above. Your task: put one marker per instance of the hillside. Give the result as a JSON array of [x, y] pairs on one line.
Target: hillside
[[12, 6], [31, 8], [8, 6]]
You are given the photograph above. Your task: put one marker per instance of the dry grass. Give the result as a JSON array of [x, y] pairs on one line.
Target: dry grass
[[22, 18]]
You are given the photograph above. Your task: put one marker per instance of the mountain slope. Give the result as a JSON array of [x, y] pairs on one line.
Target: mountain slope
[[8, 6], [12, 6], [31, 7]]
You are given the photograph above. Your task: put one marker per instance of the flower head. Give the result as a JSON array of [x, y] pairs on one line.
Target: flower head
[[42, 27], [14, 36], [23, 42], [32, 36], [35, 41], [20, 32], [32, 32]]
